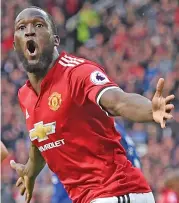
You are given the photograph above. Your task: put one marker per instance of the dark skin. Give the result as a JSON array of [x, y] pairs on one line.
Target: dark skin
[[33, 24]]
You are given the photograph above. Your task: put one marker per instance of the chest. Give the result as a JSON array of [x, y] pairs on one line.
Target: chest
[[46, 114]]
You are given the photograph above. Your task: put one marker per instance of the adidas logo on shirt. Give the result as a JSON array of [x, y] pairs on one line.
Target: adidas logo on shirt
[[26, 114]]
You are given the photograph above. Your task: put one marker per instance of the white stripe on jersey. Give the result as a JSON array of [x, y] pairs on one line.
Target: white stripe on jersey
[[103, 91], [66, 64], [69, 61], [100, 94], [74, 59]]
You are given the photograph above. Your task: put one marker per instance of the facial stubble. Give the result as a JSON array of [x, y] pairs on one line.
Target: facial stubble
[[41, 67]]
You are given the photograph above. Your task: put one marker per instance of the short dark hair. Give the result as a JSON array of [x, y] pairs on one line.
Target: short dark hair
[[52, 23]]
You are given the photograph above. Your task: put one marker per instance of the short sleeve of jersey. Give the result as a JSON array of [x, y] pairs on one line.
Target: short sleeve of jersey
[[89, 82]]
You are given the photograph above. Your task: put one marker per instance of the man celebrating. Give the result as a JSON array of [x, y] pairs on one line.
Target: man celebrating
[[68, 103]]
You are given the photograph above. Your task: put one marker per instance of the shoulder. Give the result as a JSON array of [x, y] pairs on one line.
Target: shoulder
[[76, 68], [72, 62]]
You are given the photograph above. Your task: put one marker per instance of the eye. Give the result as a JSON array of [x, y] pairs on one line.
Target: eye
[[39, 25], [21, 27]]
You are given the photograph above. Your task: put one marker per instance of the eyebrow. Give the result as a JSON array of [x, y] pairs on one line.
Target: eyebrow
[[37, 17]]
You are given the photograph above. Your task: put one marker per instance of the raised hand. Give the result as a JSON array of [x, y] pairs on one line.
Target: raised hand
[[161, 106]]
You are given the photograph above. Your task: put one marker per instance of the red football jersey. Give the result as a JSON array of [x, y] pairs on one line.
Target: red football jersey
[[76, 137]]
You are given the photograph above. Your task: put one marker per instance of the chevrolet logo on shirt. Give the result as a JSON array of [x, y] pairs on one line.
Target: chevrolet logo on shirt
[[41, 131]]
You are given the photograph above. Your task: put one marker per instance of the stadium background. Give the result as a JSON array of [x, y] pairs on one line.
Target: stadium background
[[137, 41]]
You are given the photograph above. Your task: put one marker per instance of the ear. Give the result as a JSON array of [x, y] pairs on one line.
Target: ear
[[56, 40], [14, 45]]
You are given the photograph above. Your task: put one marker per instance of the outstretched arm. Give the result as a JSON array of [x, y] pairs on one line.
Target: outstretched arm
[[136, 107], [129, 105], [90, 81]]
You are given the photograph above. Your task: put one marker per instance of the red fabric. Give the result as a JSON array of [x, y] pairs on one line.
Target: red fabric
[[177, 16], [72, 6], [91, 162], [168, 196], [136, 71], [80, 77], [120, 41], [7, 44]]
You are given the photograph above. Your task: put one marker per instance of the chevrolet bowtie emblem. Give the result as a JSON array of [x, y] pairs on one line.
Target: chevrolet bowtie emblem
[[41, 131]]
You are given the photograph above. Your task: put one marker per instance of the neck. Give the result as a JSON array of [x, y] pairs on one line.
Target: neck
[[36, 79]]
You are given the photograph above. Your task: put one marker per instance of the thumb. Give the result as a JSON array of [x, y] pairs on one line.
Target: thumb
[[13, 164], [18, 167]]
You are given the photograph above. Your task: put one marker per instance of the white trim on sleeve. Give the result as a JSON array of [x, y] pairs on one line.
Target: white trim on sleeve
[[102, 92]]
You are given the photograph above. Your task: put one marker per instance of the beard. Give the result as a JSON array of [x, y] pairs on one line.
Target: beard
[[41, 67]]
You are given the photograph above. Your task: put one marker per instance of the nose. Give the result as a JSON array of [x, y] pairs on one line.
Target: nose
[[30, 32]]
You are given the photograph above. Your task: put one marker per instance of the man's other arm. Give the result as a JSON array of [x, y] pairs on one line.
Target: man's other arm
[[129, 105], [89, 81], [136, 107]]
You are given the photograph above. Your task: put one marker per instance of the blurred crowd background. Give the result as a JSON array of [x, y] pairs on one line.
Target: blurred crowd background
[[136, 41]]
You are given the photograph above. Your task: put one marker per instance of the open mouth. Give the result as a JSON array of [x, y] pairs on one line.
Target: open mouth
[[31, 47]]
